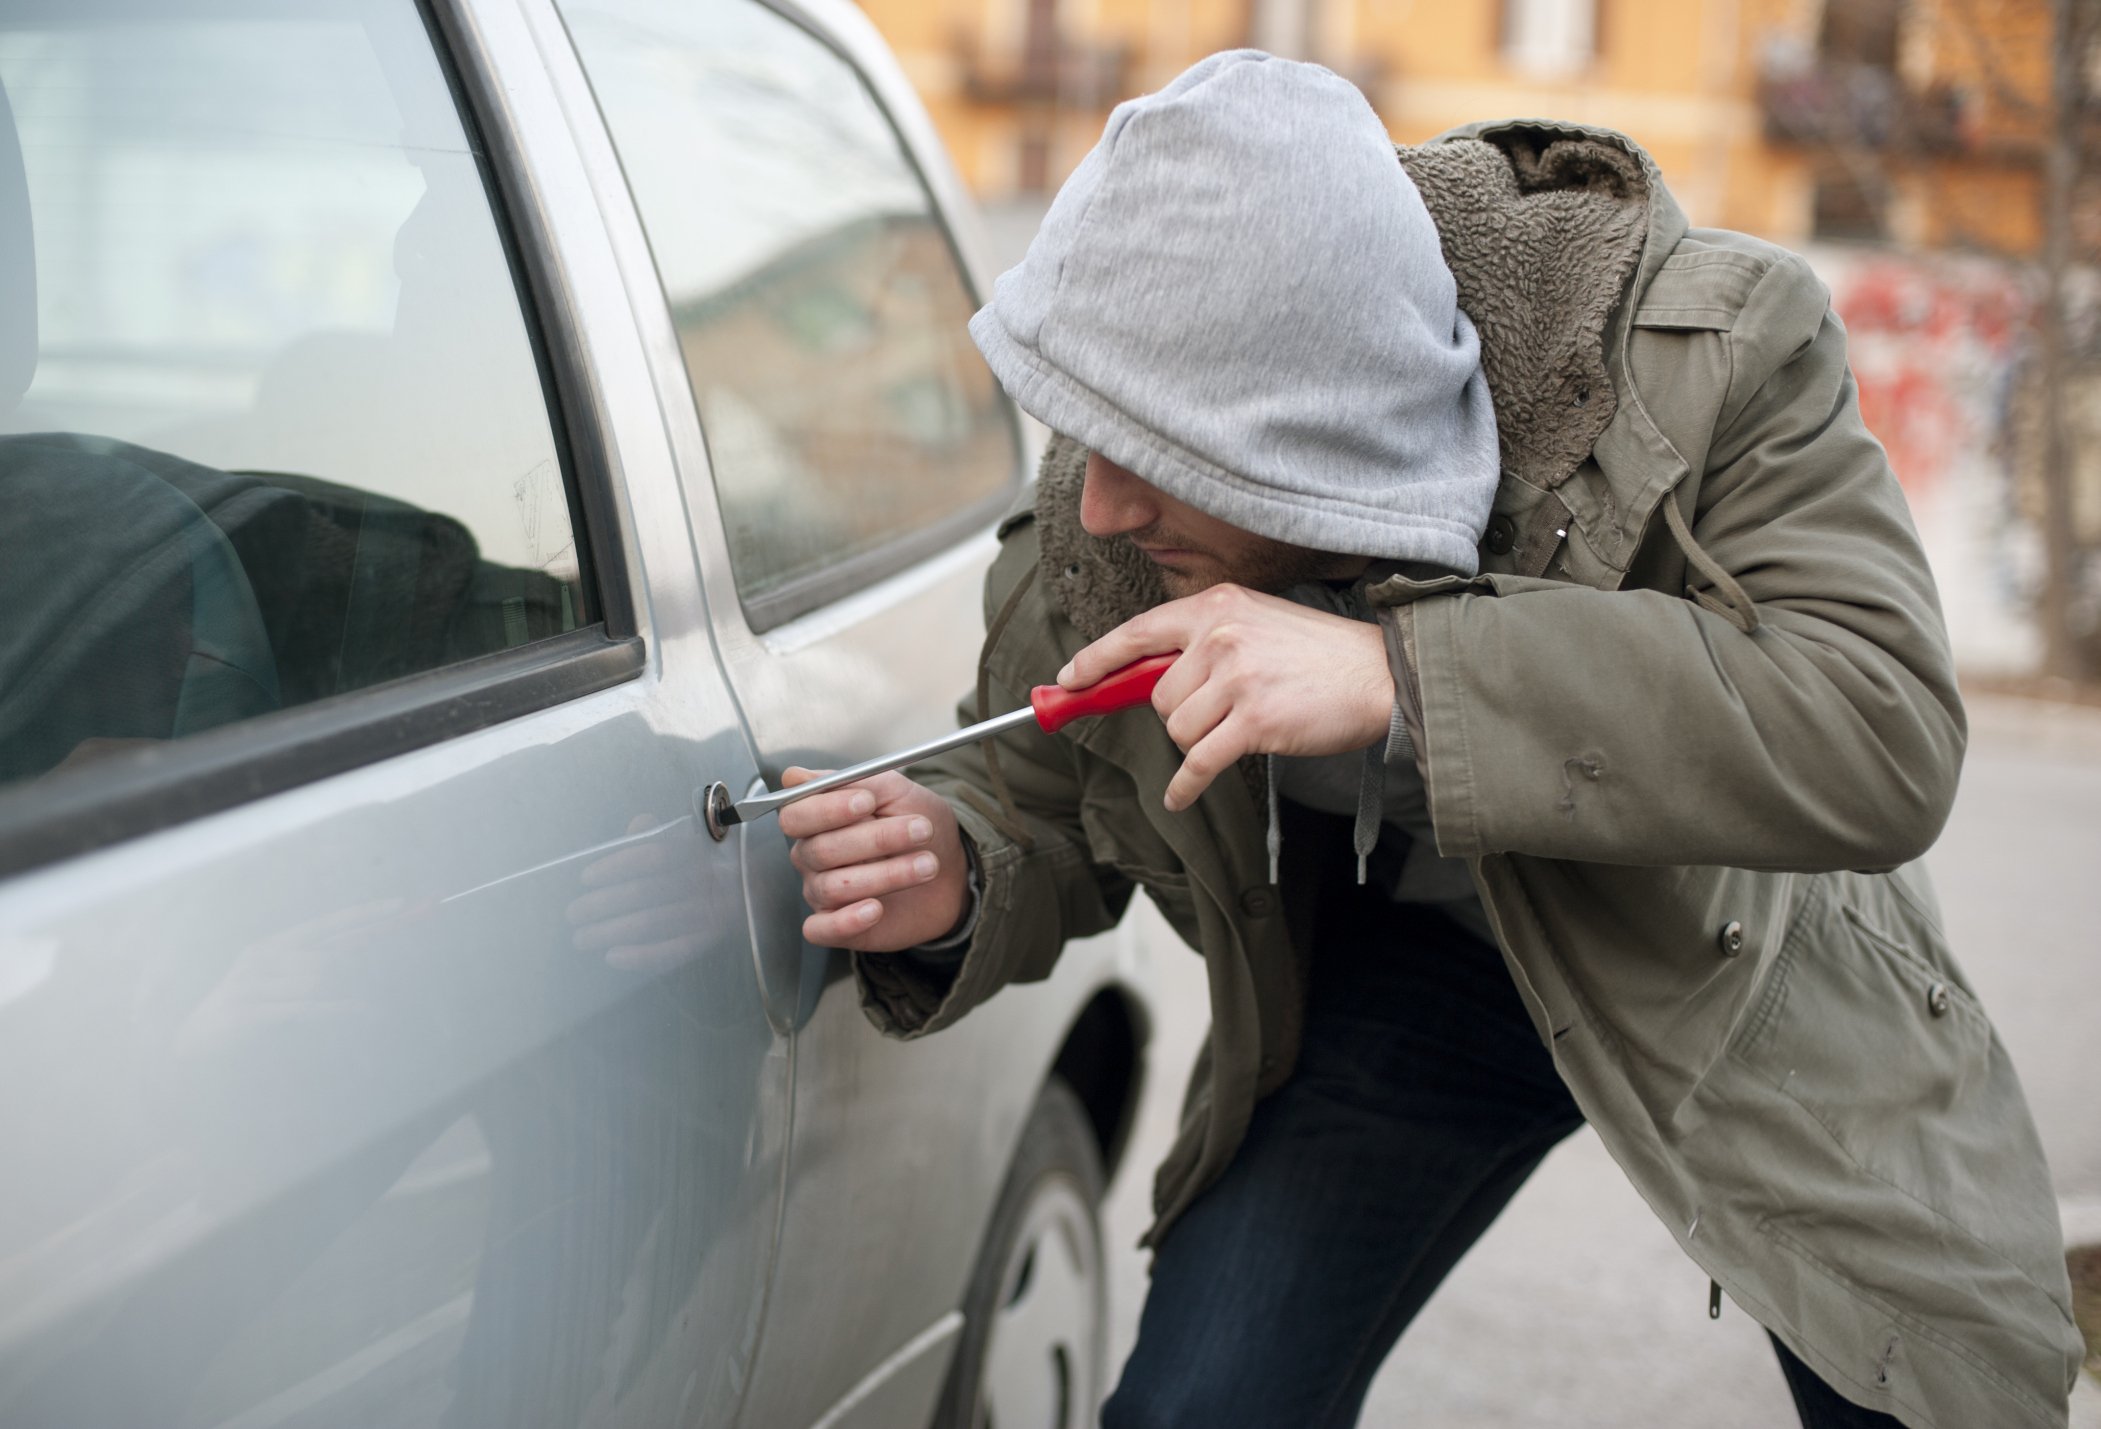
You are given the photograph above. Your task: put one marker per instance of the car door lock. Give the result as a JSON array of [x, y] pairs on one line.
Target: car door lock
[[715, 809]]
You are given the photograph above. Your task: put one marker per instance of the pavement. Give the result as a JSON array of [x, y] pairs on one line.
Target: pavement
[[1577, 1309]]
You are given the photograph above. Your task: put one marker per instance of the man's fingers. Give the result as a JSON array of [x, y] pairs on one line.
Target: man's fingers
[[887, 785], [843, 886], [1180, 682], [1197, 716], [836, 808], [1213, 755], [837, 928], [821, 813], [1178, 625], [1159, 631], [862, 842]]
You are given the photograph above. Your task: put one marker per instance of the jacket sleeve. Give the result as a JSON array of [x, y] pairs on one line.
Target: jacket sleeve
[[1038, 884], [1638, 727]]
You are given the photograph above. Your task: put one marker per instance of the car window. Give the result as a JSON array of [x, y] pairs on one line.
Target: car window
[[850, 422], [271, 425]]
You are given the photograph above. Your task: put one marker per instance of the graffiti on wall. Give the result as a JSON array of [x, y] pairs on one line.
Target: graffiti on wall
[[1941, 347], [1936, 347]]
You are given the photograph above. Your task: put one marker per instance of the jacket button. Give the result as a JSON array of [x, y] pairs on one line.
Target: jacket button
[[1258, 902], [1502, 535], [1731, 938], [1937, 999]]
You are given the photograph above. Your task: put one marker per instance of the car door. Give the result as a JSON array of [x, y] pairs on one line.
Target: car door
[[383, 1039], [845, 452]]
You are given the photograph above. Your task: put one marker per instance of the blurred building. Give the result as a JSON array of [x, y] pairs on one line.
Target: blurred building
[[1916, 121]]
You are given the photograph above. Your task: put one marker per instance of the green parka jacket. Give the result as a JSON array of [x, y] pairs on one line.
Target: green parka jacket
[[1690, 726]]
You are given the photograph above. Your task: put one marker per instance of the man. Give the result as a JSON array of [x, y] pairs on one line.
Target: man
[[1562, 699]]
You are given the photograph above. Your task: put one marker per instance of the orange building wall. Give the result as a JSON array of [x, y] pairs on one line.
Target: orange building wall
[[1680, 76]]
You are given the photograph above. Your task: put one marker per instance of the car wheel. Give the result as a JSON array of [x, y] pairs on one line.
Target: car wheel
[[1036, 1314]]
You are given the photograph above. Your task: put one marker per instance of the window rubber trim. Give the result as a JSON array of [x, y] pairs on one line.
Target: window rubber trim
[[141, 791], [558, 348]]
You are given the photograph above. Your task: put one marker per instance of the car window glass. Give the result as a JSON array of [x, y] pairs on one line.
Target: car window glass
[[819, 306], [271, 425]]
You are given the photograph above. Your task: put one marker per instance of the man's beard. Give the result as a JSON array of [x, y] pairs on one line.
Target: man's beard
[[1266, 565]]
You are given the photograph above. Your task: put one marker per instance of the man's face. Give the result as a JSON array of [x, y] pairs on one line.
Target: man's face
[[1192, 550]]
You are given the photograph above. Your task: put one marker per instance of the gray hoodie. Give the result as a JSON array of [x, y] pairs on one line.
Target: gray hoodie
[[1239, 296]]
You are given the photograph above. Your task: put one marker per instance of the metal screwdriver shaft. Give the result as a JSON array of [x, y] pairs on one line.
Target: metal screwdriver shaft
[[745, 810], [1050, 708]]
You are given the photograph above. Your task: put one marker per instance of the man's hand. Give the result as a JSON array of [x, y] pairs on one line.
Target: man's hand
[[882, 863], [1257, 675]]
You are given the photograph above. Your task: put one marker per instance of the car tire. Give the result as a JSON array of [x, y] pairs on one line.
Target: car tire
[[1035, 1319]]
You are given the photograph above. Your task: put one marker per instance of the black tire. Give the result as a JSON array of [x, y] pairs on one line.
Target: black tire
[[1052, 1197]]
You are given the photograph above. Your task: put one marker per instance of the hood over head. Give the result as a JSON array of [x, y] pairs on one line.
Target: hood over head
[[1239, 296]]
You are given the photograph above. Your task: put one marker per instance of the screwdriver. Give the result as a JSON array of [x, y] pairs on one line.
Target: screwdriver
[[1050, 709]]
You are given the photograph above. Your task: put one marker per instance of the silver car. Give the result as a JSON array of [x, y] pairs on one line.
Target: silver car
[[438, 442]]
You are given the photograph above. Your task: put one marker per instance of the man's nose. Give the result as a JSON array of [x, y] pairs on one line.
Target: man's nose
[[1114, 501]]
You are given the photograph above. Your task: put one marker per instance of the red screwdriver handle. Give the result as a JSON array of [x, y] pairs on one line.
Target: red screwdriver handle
[[1057, 706]]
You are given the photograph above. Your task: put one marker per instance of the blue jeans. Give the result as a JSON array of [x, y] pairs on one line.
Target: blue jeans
[[1421, 1102]]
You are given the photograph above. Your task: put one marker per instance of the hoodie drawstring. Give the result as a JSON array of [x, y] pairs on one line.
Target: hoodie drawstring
[[1275, 837], [1371, 778], [1371, 812], [1735, 606], [1371, 806]]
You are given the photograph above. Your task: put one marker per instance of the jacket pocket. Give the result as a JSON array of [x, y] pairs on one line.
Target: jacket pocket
[[1864, 1028], [1120, 835]]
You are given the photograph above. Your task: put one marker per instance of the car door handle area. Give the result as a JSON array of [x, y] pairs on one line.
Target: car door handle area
[[791, 971]]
